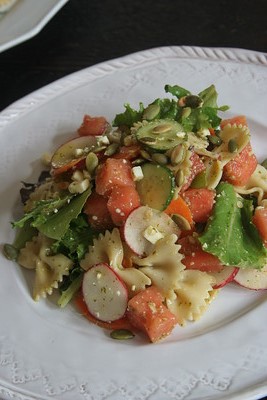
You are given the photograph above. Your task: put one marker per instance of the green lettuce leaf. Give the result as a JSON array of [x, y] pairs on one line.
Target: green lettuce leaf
[[57, 224], [74, 244], [129, 116], [42, 211], [176, 91], [230, 234]]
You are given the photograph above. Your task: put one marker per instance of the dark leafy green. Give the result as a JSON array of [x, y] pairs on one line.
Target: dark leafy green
[[42, 211], [76, 240], [129, 116], [195, 118], [56, 226], [176, 91], [230, 234]]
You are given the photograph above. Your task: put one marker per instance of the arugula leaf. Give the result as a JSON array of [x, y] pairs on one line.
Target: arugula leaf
[[24, 235], [168, 108], [42, 211], [57, 224], [76, 240], [129, 117], [176, 91], [230, 234], [209, 97]]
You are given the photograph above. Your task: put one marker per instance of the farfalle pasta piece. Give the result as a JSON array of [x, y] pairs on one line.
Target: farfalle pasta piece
[[163, 266], [198, 142], [29, 255], [193, 293], [187, 292], [257, 184], [108, 249], [258, 179], [49, 269], [237, 134]]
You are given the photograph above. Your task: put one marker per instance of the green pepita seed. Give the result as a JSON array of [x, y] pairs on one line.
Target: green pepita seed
[[181, 222], [138, 161], [162, 128], [145, 154], [215, 140], [160, 158], [179, 178], [99, 148], [91, 162], [148, 140], [111, 149], [178, 154], [232, 145], [121, 334], [114, 136], [264, 163], [10, 252], [151, 112]]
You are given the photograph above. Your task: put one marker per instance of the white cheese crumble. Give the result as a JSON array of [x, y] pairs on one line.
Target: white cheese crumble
[[137, 173], [152, 234]]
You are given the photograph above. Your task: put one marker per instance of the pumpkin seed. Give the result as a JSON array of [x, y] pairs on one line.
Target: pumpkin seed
[[232, 145], [145, 154], [111, 149], [160, 158], [181, 222], [179, 178], [114, 136], [121, 334], [148, 140], [162, 128], [151, 112], [215, 140], [91, 162], [10, 252], [178, 154], [138, 161]]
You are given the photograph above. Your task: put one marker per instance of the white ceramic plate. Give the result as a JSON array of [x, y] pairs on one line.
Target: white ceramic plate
[[50, 353], [25, 19]]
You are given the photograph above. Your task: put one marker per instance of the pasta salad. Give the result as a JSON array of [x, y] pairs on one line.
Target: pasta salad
[[142, 221]]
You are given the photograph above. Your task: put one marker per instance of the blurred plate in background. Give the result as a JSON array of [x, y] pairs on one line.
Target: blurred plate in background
[[25, 19]]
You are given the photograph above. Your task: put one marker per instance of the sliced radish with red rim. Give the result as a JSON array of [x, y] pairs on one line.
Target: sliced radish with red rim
[[105, 294], [226, 275], [144, 226], [252, 278]]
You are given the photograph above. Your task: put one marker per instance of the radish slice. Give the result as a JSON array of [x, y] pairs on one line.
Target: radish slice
[[226, 275], [252, 278], [144, 226], [76, 148], [105, 294]]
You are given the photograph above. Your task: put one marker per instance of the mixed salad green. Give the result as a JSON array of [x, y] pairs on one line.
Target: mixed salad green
[[143, 220]]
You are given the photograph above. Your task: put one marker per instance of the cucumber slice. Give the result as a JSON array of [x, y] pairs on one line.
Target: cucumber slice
[[161, 134], [156, 188]]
